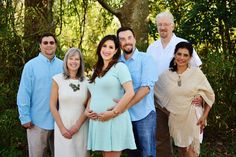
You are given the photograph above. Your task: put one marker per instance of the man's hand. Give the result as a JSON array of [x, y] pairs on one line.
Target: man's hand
[[28, 125], [111, 108], [197, 100]]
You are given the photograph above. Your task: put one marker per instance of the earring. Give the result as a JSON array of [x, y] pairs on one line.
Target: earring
[[189, 65], [174, 63]]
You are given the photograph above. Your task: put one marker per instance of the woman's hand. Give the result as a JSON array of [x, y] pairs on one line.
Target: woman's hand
[[105, 116], [74, 129], [90, 114], [65, 133], [202, 123]]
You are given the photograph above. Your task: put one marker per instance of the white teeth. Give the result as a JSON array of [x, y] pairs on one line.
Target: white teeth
[[106, 54], [73, 65]]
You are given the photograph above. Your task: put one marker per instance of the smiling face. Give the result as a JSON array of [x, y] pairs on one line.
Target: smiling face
[[48, 47], [165, 27], [182, 57], [73, 63], [108, 50], [127, 41]]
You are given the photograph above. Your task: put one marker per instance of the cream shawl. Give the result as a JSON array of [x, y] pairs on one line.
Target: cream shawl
[[177, 100]]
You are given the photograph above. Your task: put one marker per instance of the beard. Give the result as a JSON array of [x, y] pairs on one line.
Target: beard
[[163, 34], [128, 51]]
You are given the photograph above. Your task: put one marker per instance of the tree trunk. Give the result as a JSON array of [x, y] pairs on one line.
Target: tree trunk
[[133, 14], [38, 20]]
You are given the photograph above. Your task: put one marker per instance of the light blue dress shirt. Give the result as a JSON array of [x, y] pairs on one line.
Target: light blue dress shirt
[[33, 96], [141, 69]]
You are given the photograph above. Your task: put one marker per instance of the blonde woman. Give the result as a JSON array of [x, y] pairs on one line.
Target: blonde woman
[[69, 89]]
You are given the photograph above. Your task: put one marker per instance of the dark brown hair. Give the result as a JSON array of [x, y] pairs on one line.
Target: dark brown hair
[[122, 29], [47, 35], [98, 72], [182, 44]]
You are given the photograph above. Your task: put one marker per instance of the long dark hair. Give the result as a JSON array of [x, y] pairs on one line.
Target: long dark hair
[[183, 44], [98, 72]]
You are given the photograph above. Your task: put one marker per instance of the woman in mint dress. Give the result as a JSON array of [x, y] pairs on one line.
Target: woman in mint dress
[[110, 128]]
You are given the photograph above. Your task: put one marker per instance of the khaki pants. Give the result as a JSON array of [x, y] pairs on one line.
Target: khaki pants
[[164, 145], [38, 142]]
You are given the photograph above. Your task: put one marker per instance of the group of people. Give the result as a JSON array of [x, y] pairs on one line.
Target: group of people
[[134, 101]]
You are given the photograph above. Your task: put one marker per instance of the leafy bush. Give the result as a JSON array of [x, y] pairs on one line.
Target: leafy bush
[[220, 70], [13, 136]]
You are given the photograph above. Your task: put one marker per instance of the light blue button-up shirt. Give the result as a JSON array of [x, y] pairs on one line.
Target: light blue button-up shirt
[[140, 66], [33, 96]]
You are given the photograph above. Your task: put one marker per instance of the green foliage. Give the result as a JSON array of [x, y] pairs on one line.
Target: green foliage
[[209, 25], [82, 24], [221, 70], [13, 138]]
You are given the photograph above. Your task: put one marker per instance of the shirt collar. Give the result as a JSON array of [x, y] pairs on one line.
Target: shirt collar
[[45, 59], [133, 57], [172, 38]]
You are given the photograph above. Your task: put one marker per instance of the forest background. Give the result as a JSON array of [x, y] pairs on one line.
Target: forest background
[[209, 24]]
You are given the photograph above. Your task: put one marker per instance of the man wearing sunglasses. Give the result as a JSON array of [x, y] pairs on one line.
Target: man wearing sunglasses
[[34, 95]]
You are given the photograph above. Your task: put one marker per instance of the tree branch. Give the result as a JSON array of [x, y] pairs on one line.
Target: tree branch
[[115, 12]]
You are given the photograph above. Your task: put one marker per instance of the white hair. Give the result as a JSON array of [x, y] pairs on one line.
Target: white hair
[[165, 14]]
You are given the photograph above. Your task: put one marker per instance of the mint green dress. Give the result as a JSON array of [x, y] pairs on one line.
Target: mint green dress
[[115, 134]]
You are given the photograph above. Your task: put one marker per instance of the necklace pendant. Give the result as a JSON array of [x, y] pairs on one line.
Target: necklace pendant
[[74, 87], [179, 83]]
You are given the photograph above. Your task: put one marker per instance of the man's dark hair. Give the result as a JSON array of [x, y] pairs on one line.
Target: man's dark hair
[[47, 35], [121, 29]]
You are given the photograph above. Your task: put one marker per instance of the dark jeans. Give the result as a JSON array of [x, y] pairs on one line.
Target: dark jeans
[[145, 136]]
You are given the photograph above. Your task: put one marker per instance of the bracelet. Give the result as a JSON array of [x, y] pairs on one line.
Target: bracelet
[[116, 113]]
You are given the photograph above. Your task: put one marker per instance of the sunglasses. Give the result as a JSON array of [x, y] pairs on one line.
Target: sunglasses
[[50, 42]]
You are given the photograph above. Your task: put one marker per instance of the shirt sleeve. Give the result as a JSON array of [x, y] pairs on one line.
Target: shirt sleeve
[[148, 72], [123, 73], [195, 61], [24, 95], [57, 77]]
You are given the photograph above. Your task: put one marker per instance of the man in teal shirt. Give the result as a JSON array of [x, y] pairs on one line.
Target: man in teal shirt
[[141, 107], [34, 95]]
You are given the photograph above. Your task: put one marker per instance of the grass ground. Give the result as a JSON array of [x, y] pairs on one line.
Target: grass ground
[[219, 143], [216, 143]]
